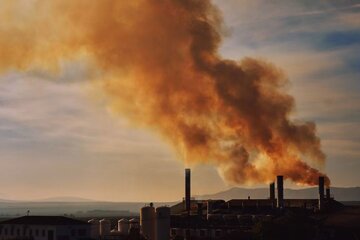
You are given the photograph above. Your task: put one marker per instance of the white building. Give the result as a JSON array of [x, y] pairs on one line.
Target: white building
[[44, 228]]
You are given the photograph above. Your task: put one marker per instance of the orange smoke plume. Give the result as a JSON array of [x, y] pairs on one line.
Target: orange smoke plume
[[161, 69]]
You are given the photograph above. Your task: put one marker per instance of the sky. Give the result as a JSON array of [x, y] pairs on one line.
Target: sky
[[58, 137]]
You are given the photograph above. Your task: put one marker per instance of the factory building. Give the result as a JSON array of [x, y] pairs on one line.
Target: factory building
[[189, 219], [233, 219], [44, 228]]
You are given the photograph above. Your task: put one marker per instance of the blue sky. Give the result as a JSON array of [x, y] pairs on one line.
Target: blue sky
[[57, 139]]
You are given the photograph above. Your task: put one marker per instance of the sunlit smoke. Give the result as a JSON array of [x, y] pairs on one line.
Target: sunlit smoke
[[161, 69]]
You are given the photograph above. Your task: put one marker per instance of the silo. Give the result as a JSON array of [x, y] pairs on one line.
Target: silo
[[134, 223], [105, 227], [95, 228], [114, 232], [123, 226], [163, 223], [147, 222]]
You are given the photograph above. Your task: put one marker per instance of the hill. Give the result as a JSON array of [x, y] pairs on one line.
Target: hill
[[339, 193]]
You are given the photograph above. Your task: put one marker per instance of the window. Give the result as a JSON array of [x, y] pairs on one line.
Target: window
[[73, 232], [30, 232], [36, 232], [18, 232], [202, 233], [43, 233], [5, 231], [11, 231]]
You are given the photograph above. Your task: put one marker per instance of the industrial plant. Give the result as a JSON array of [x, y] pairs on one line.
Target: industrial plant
[[188, 219], [213, 218], [234, 219]]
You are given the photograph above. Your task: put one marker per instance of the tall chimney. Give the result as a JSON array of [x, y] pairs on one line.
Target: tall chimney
[[321, 191], [321, 187], [187, 190], [328, 193], [272, 191], [280, 191]]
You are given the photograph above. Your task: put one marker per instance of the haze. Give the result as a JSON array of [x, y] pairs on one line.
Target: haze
[[59, 140]]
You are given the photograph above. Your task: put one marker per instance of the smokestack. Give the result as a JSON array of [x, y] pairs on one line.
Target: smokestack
[[328, 193], [280, 191], [187, 189], [321, 191], [272, 191], [321, 187]]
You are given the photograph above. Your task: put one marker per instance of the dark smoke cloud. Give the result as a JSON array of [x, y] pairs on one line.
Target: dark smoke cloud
[[160, 68]]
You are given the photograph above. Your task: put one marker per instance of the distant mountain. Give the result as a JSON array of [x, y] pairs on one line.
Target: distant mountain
[[64, 199], [77, 208], [339, 193]]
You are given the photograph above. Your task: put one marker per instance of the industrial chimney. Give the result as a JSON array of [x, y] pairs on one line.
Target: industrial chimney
[[187, 190], [272, 191], [280, 191], [321, 191], [328, 193], [321, 187]]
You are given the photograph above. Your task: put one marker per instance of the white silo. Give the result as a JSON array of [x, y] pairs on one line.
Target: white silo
[[163, 223], [123, 226], [147, 222], [134, 223], [95, 228], [114, 232], [105, 227]]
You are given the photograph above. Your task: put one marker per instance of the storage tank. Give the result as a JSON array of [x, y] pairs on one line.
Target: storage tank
[[147, 222], [133, 223], [123, 226], [114, 232], [105, 227], [95, 228], [163, 223]]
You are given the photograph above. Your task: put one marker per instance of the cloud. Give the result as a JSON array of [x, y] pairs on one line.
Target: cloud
[[316, 43], [32, 109], [46, 116]]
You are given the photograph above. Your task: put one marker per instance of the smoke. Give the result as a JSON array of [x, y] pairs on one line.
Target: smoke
[[160, 67]]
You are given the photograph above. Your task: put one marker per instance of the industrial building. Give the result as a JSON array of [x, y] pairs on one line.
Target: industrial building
[[190, 219], [209, 219], [233, 219], [44, 228]]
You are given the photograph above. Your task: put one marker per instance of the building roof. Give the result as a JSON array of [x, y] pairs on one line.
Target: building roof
[[44, 220]]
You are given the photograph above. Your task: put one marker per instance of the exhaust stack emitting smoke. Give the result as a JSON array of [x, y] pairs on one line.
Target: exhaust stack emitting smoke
[[160, 68]]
